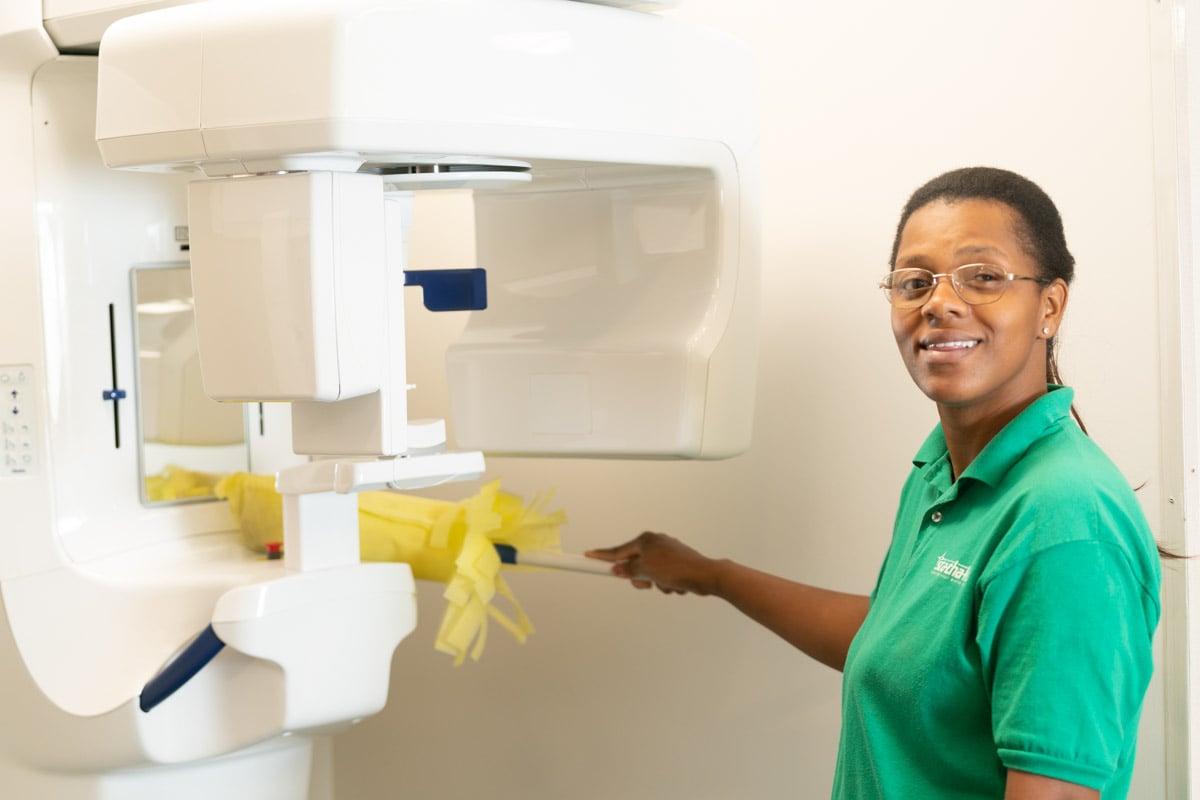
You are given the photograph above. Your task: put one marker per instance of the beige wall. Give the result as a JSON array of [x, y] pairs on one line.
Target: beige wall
[[627, 695]]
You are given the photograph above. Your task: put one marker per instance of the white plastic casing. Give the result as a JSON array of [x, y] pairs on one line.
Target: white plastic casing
[[77, 25], [97, 590], [638, 336], [286, 273], [638, 127], [624, 320]]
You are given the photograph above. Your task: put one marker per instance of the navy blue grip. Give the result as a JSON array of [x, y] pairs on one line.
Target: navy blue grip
[[450, 289], [185, 666]]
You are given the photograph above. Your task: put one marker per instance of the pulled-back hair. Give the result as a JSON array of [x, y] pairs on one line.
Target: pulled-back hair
[[1039, 225]]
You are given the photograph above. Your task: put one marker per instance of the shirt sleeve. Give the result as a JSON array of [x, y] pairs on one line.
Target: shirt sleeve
[[1065, 644]]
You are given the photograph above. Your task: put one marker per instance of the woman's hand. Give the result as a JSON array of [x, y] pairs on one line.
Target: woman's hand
[[819, 622], [655, 559]]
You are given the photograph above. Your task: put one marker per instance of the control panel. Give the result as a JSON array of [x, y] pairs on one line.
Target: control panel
[[18, 432]]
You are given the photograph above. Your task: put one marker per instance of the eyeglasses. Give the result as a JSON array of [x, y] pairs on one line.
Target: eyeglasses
[[976, 284]]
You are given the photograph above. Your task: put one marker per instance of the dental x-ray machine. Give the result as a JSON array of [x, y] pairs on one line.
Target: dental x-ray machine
[[254, 181]]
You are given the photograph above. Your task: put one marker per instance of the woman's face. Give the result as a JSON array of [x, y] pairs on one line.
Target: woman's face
[[986, 358]]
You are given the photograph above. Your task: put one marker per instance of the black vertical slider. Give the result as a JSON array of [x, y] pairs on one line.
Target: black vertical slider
[[114, 394]]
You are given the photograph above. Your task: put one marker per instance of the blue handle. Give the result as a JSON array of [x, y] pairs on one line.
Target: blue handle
[[450, 289], [185, 666], [507, 553]]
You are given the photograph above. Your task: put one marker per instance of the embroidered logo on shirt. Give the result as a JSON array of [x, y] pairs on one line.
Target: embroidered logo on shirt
[[952, 570]]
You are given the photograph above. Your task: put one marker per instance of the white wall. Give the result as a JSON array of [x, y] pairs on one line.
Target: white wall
[[629, 695], [1178, 127]]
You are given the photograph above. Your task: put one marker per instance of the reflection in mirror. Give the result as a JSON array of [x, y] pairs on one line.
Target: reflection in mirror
[[187, 441]]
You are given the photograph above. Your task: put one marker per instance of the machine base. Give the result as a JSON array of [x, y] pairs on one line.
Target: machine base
[[279, 770]]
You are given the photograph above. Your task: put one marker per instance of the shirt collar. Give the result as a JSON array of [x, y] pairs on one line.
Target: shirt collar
[[1007, 446]]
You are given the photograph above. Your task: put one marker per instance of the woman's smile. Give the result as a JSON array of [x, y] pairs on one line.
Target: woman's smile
[[946, 347]]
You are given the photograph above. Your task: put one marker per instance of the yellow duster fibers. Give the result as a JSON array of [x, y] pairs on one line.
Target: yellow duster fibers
[[450, 542], [176, 483]]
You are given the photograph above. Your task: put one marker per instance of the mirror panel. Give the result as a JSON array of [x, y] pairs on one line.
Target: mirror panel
[[186, 440]]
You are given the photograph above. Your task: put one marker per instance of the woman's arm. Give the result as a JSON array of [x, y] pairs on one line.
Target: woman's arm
[[819, 622], [1027, 786]]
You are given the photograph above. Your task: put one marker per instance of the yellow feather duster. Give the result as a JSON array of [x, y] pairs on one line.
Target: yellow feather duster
[[444, 541]]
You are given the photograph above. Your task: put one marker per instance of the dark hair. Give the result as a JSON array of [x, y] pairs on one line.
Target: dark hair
[[1039, 226]]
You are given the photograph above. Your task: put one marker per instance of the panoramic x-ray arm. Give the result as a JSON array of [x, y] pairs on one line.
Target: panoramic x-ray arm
[[614, 190], [613, 198]]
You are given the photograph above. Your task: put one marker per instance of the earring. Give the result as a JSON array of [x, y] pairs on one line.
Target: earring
[[1045, 331]]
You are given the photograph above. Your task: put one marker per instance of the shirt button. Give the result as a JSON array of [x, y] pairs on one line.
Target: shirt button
[[936, 516]]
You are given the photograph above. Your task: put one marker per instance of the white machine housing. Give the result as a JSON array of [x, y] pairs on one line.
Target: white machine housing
[[611, 154], [620, 240]]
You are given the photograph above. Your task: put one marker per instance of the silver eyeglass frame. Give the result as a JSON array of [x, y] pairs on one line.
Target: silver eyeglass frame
[[886, 284]]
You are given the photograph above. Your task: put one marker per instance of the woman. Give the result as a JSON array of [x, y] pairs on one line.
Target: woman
[[1006, 648]]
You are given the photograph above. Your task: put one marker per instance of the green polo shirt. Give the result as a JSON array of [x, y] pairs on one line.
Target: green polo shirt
[[1011, 624]]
